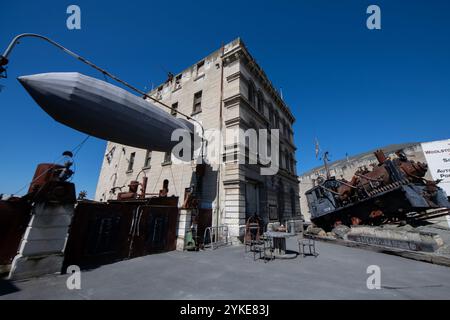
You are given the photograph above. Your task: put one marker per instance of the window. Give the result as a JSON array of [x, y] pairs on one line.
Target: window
[[281, 158], [178, 81], [200, 68], [286, 129], [292, 164], [109, 156], [165, 189], [131, 161], [148, 159], [288, 162], [174, 107], [271, 115], [197, 102], [277, 121], [167, 157], [260, 102], [159, 93], [251, 92]]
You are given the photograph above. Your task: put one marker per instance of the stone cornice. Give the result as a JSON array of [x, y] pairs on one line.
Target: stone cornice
[[242, 52], [240, 100]]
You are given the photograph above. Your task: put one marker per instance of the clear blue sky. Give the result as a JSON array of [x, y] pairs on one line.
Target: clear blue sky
[[352, 88]]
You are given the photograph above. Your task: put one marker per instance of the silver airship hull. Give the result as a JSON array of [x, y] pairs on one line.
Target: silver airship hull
[[103, 110]]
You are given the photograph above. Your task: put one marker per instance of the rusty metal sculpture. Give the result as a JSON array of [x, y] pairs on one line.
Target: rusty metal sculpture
[[393, 190]]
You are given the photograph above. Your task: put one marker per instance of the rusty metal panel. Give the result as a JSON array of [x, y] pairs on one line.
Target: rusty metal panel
[[106, 232], [155, 230], [14, 218], [98, 234]]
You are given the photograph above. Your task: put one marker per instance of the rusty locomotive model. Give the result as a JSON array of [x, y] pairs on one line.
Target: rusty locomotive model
[[393, 191]]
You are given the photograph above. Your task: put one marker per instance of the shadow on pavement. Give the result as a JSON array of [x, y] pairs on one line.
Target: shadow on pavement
[[6, 287]]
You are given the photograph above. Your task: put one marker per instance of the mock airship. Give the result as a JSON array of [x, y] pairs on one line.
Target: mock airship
[[103, 110]]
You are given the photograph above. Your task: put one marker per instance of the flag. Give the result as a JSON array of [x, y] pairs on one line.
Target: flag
[[317, 148]]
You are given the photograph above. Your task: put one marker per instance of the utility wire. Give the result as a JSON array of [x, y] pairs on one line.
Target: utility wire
[[74, 151]]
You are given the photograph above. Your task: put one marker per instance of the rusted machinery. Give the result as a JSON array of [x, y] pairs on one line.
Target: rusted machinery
[[50, 182], [393, 190]]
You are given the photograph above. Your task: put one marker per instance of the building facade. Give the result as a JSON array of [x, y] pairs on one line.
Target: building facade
[[225, 91]]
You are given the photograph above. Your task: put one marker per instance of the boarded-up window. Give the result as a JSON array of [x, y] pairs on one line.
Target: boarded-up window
[[174, 109], [197, 102], [251, 92], [200, 68], [131, 161], [148, 159], [167, 157], [178, 81], [260, 102]]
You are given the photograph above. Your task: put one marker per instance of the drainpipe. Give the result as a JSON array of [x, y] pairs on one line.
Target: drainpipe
[[218, 214]]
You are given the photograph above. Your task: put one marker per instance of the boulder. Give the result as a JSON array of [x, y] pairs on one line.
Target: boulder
[[389, 237], [341, 231], [331, 235], [315, 231]]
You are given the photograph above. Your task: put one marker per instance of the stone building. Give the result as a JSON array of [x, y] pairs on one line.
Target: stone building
[[227, 90], [433, 153]]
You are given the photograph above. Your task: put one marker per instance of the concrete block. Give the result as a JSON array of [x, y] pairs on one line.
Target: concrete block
[[47, 221], [29, 267], [180, 244], [41, 247], [39, 233], [396, 238]]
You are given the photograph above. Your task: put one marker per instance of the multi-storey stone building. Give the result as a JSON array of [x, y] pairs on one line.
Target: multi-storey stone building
[[227, 90]]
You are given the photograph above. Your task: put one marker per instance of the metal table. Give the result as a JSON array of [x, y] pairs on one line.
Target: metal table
[[279, 244]]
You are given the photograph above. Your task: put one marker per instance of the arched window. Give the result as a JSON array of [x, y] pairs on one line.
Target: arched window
[[271, 115], [287, 129], [251, 92], [260, 102], [277, 120], [165, 189], [281, 158], [287, 160]]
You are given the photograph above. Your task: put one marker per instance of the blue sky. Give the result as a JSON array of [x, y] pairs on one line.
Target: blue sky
[[354, 89]]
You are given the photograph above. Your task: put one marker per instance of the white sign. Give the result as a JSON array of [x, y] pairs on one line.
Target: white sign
[[437, 154]]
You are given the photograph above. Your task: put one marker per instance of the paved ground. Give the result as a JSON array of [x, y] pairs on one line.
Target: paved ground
[[228, 273]]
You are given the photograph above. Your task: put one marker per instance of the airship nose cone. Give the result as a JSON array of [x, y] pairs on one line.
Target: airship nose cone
[[28, 82], [51, 92], [34, 86]]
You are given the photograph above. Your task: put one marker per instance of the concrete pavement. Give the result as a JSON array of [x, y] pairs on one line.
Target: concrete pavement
[[229, 273]]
